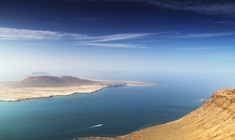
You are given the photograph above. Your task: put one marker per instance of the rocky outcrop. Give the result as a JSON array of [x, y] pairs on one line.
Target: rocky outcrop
[[215, 120]]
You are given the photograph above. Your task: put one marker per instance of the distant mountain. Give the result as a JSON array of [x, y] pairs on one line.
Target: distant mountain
[[40, 74], [51, 81], [215, 120]]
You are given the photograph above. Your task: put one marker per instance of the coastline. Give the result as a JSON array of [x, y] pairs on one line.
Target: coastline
[[214, 120], [11, 94], [19, 94]]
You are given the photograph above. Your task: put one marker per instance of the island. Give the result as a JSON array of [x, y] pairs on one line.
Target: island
[[49, 86]]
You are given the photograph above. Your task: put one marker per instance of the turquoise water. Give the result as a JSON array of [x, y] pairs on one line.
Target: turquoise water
[[109, 112]]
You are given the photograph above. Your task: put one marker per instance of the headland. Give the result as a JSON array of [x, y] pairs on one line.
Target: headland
[[214, 120]]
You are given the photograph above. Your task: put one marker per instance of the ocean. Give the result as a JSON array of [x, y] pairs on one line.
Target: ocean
[[110, 112]]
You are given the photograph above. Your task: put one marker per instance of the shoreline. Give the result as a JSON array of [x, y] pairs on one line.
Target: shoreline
[[11, 94], [213, 120], [47, 92], [49, 96]]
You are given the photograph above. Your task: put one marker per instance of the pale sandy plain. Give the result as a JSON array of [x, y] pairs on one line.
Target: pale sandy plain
[[17, 94]]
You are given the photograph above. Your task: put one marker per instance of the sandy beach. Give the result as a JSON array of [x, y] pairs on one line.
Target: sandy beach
[[17, 94]]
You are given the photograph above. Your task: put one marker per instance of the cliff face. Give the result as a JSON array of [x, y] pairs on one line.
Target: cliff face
[[215, 120]]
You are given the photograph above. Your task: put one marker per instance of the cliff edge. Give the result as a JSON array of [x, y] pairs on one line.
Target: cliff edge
[[215, 120]]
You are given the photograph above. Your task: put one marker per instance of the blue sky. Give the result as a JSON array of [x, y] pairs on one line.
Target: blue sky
[[95, 38]]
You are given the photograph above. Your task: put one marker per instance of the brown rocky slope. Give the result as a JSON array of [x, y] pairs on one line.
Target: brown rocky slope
[[51, 81], [215, 120]]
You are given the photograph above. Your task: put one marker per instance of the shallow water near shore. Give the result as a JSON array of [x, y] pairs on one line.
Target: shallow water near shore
[[110, 112]]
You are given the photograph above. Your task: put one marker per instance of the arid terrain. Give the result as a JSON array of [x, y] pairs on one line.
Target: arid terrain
[[48, 86], [215, 120]]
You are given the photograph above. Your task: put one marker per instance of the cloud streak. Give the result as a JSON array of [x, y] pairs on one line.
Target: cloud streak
[[114, 45], [116, 37], [109, 41], [25, 34], [98, 41], [178, 35], [198, 48], [211, 7], [216, 7]]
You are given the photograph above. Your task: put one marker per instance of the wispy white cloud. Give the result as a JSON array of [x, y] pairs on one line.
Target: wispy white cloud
[[214, 9], [109, 41], [218, 7], [113, 45], [25, 34], [198, 48], [117, 37], [197, 35], [210, 7]]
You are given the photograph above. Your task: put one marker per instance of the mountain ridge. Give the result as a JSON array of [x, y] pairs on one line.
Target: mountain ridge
[[51, 81]]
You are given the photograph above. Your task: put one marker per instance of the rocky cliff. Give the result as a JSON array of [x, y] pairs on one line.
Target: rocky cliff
[[215, 120]]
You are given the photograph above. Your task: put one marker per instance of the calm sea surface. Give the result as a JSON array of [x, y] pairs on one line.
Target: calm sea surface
[[110, 112]]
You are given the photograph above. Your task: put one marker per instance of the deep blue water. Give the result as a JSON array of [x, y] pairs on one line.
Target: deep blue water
[[121, 110]]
